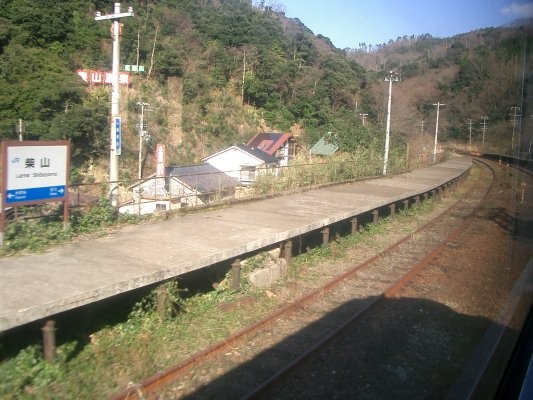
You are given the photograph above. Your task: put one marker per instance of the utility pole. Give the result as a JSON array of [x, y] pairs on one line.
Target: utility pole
[[436, 131], [114, 151], [484, 128], [470, 123], [530, 142], [363, 115], [421, 125], [243, 76], [391, 77], [20, 130], [514, 115], [142, 132]]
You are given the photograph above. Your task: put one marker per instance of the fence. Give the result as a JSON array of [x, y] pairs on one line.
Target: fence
[[201, 189]]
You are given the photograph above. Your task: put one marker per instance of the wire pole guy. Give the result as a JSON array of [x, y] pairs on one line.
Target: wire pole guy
[[115, 149], [391, 77], [436, 130]]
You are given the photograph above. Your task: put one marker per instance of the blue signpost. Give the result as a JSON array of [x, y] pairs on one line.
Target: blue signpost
[[118, 134]]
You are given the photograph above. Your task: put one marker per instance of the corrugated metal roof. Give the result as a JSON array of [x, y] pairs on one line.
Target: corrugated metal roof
[[323, 148], [269, 142], [202, 177], [257, 153]]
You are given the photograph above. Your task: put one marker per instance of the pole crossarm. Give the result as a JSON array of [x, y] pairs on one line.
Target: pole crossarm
[[99, 17]]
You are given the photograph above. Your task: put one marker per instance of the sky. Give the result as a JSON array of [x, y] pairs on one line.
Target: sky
[[350, 22]]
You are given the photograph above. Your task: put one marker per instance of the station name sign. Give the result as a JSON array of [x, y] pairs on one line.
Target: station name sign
[[35, 172], [103, 77]]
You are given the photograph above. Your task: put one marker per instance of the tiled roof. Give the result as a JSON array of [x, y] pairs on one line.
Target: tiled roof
[[269, 142], [202, 177]]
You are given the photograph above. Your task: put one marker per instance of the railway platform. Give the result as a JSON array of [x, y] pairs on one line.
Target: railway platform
[[35, 287]]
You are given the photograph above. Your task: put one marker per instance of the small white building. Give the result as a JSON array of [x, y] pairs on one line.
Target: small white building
[[243, 163], [184, 186]]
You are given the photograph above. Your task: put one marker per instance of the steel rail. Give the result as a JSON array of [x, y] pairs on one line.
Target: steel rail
[[319, 347], [157, 381]]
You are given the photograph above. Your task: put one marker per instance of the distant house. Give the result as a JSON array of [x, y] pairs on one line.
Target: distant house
[[323, 148], [183, 186], [280, 145], [243, 163], [199, 184]]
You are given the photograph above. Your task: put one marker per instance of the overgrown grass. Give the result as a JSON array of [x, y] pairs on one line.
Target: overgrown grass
[[37, 234], [129, 351], [307, 170]]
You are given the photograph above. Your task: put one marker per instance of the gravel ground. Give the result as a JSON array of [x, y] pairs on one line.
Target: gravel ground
[[418, 344]]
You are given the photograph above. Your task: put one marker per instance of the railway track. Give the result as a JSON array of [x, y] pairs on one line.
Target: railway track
[[254, 362]]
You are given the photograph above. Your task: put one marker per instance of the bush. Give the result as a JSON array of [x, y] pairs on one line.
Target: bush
[[100, 215]]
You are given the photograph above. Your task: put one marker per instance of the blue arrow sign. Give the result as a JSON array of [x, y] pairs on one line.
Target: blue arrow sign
[[118, 144], [36, 194]]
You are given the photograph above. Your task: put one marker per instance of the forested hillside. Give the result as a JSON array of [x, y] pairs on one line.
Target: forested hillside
[[218, 71], [477, 74]]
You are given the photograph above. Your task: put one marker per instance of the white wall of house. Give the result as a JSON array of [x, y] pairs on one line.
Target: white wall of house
[[146, 206], [233, 161], [189, 197], [152, 195], [283, 154]]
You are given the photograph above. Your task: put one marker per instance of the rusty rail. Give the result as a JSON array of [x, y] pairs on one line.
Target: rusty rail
[[157, 381]]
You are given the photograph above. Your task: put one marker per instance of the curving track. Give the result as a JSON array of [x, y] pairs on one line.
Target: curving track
[[277, 357]]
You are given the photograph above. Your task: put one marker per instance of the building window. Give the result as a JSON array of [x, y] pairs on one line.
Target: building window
[[247, 173], [160, 207]]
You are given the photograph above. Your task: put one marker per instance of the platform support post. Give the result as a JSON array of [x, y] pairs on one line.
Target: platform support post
[[375, 216], [392, 210], [426, 196], [354, 225], [49, 340], [417, 200], [162, 298], [325, 236], [406, 204], [287, 251], [236, 274]]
